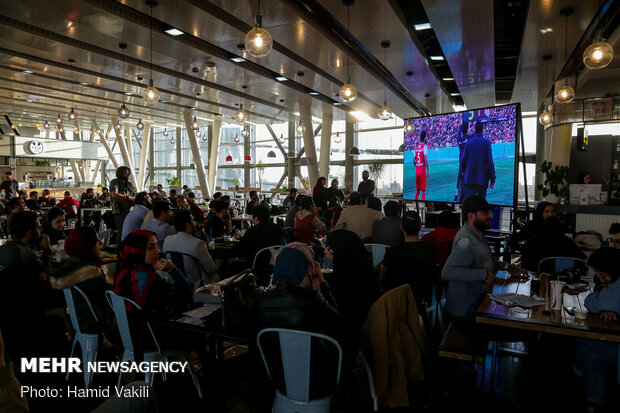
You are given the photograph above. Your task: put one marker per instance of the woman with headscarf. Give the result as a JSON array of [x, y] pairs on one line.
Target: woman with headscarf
[[543, 211], [152, 282], [53, 224], [307, 221], [83, 270], [319, 193], [299, 297]]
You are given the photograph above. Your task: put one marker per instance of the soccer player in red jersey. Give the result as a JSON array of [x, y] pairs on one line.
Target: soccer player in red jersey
[[420, 157]]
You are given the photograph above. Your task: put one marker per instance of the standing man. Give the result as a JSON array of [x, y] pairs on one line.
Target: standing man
[[366, 187], [420, 157], [123, 195], [476, 166], [9, 185]]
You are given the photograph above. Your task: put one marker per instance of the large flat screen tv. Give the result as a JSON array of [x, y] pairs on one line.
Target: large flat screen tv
[[449, 157]]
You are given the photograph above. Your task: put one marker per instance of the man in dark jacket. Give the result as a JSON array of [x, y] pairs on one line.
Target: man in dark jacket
[[476, 167]]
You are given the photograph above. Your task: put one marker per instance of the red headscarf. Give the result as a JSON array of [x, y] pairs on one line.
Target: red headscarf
[[77, 246], [136, 276]]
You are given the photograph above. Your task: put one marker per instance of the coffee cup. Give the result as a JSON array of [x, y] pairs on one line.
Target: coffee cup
[[556, 294]]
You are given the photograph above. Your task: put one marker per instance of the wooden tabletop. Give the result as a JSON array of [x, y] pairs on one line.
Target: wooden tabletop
[[557, 322]]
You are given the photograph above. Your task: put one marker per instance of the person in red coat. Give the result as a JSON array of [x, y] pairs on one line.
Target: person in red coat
[[199, 214], [68, 203], [442, 237]]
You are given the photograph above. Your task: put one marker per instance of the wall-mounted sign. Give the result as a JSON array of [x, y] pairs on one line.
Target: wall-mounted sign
[[35, 147]]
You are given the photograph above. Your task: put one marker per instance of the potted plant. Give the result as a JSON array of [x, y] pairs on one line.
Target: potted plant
[[556, 181], [375, 170], [260, 168], [174, 183], [235, 182]]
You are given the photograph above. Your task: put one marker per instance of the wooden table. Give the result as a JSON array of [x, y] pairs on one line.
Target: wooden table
[[558, 322]]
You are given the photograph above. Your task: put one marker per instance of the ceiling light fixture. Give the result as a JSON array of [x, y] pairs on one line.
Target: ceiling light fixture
[[385, 113], [281, 138], [237, 139], [172, 141], [546, 117], [245, 132], [600, 53], [436, 58], [140, 125], [258, 41], [123, 111], [271, 154], [281, 78], [72, 115], [229, 158], [237, 59], [165, 133], [174, 31], [354, 151], [565, 93], [195, 124], [348, 92], [337, 138], [151, 94], [241, 115], [422, 26], [28, 72], [409, 126], [313, 93], [300, 128]]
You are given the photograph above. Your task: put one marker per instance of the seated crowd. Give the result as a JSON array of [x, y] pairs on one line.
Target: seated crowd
[[165, 254]]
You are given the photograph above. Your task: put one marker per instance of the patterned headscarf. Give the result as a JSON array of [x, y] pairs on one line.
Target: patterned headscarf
[[295, 264], [136, 276]]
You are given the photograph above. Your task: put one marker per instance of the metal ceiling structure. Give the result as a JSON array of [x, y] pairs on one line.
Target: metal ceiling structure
[[487, 60]]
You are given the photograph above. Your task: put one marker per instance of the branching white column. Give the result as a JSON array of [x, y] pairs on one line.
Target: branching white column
[[215, 146], [121, 144], [193, 143], [313, 166], [104, 142], [79, 177], [326, 141], [143, 155]]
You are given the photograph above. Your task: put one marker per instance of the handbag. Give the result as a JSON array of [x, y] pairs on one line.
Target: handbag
[[238, 297]]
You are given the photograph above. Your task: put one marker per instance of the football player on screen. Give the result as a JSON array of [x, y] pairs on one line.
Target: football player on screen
[[420, 157]]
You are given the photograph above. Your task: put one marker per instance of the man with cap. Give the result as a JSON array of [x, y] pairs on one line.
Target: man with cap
[[470, 268]]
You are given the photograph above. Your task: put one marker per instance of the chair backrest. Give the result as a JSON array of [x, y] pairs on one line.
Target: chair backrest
[[561, 263], [71, 304], [118, 304], [295, 347], [378, 252], [179, 259], [274, 249], [105, 237]]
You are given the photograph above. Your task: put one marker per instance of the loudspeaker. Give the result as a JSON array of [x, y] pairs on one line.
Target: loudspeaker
[[582, 140]]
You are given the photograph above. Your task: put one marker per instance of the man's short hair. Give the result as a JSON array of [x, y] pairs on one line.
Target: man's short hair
[[306, 202], [479, 127], [475, 203], [141, 197], [355, 198], [181, 219], [10, 173], [89, 190], [105, 188], [158, 185], [218, 206], [47, 191], [260, 212], [298, 200], [121, 170], [391, 208], [160, 207], [614, 228], [22, 222], [67, 193], [446, 220], [173, 192], [422, 136], [217, 195], [13, 203], [191, 195], [185, 186], [374, 203], [411, 223], [606, 259], [292, 191], [226, 198], [33, 193], [252, 193]]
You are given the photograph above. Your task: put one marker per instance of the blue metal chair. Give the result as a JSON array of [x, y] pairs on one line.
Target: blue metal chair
[[562, 263], [117, 303], [378, 252], [89, 343], [295, 347]]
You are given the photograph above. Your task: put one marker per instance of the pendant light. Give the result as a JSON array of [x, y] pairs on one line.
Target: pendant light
[[271, 154], [245, 132], [123, 112], [354, 151], [195, 124], [237, 140], [258, 41], [151, 94], [165, 133], [204, 137], [241, 115], [300, 128], [565, 93], [600, 53], [229, 158], [172, 141], [385, 113], [409, 126], [72, 115], [281, 138], [58, 118], [337, 139], [46, 124], [546, 117], [140, 125], [348, 92], [198, 133], [247, 158]]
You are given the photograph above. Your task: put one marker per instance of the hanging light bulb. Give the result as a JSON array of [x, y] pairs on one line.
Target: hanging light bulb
[[337, 139], [123, 112], [545, 117], [300, 128], [166, 132], [245, 132], [204, 138], [384, 112], [565, 93], [348, 92], [195, 124], [281, 138], [59, 120], [151, 94], [409, 127], [599, 54], [258, 41], [237, 139], [72, 115], [140, 125], [172, 141], [46, 125], [198, 134], [138, 136], [241, 115]]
